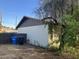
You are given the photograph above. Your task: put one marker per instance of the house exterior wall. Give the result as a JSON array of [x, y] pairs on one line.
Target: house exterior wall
[[38, 35], [54, 42]]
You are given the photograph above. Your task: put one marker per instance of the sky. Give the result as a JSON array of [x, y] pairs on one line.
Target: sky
[[10, 10]]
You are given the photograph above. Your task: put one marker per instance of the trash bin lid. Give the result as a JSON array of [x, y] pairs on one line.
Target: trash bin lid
[[14, 36]]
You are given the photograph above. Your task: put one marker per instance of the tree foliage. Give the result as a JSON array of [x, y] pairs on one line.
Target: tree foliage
[[56, 8], [66, 13], [70, 31]]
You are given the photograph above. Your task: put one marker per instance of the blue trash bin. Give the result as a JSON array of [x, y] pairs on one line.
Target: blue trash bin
[[14, 40]]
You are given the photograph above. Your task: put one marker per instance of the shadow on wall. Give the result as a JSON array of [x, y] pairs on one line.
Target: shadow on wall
[[36, 43]]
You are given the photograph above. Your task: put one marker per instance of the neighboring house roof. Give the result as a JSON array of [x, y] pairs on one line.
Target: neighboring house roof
[[28, 21]]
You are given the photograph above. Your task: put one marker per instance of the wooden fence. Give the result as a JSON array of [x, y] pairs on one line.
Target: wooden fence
[[6, 38]]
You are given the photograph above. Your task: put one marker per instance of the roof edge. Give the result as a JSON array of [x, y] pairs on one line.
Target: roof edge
[[22, 20]]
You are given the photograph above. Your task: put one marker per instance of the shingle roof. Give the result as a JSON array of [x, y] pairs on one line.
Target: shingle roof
[[28, 21]]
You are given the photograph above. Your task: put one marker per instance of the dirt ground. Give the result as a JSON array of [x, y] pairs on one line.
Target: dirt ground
[[26, 52]]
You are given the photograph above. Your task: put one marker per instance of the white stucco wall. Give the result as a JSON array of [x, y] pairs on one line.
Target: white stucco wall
[[38, 35]]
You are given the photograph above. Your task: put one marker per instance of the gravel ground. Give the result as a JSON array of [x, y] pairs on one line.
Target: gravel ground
[[26, 52]]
